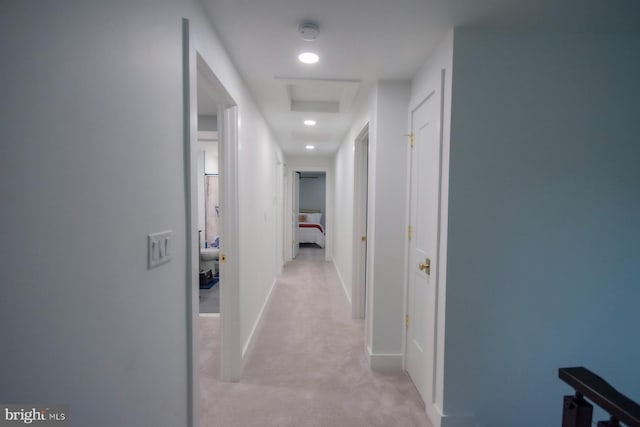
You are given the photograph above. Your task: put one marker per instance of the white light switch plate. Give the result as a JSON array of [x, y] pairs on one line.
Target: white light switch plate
[[159, 248]]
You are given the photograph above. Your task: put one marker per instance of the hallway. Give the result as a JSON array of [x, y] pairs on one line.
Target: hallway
[[308, 367]]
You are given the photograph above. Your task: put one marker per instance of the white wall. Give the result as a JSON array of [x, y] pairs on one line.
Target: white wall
[[344, 204], [387, 220], [211, 158], [386, 111], [92, 162], [543, 221], [206, 122], [260, 191], [259, 161]]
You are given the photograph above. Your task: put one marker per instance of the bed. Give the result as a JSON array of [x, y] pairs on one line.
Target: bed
[[310, 229]]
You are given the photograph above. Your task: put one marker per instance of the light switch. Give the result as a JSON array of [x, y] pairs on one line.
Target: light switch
[[159, 248]]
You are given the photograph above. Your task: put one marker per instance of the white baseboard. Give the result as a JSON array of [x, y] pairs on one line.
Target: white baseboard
[[248, 346], [209, 314], [438, 419], [344, 287], [457, 421], [385, 362]]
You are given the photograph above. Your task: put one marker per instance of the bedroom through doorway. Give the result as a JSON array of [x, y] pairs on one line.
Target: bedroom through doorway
[[310, 210]]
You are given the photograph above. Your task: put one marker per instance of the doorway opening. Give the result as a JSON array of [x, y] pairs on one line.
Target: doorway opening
[[293, 177], [208, 198], [310, 193], [205, 96]]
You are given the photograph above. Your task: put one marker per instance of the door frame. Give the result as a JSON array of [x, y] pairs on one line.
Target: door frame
[[433, 409], [360, 221], [231, 348], [295, 207], [291, 169]]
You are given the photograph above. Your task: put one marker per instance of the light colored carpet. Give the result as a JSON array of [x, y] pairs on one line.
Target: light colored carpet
[[308, 367]]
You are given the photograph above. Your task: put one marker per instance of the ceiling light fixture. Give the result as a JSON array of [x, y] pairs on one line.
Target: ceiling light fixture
[[308, 58], [310, 147], [310, 122], [308, 30]]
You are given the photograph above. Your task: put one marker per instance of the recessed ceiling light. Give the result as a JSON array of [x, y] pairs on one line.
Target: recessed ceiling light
[[310, 147], [308, 58], [310, 122]]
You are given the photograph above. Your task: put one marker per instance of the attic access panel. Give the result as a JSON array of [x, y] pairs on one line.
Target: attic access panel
[[320, 95]]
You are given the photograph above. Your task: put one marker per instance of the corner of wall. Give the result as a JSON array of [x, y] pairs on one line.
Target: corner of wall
[[439, 419], [387, 363]]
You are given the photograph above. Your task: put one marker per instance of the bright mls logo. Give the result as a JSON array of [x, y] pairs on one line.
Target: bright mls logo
[[35, 415]]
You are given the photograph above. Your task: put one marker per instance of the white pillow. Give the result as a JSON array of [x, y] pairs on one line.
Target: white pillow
[[314, 218]]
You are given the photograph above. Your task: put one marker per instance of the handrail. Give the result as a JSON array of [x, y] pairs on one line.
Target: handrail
[[594, 388]]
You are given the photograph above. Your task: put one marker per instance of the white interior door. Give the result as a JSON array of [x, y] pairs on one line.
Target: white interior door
[[423, 245], [361, 158], [296, 211]]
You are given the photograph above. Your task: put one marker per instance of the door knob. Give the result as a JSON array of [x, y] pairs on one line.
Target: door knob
[[426, 266]]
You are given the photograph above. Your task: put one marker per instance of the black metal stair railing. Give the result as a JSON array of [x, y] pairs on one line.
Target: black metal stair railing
[[578, 412]]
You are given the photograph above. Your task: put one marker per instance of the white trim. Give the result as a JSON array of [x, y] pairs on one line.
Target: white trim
[[360, 211], [439, 419], [458, 420], [385, 362], [257, 325], [344, 286], [207, 135], [190, 135], [209, 314], [295, 210], [231, 343]]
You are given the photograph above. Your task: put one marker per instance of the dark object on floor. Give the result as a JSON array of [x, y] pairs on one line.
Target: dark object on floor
[[207, 279]]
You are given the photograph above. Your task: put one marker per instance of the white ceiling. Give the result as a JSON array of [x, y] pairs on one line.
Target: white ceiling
[[362, 41]]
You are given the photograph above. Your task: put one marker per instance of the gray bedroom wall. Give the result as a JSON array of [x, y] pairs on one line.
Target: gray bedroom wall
[[313, 192]]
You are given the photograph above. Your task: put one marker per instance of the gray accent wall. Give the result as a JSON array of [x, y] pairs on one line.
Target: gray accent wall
[[544, 203]]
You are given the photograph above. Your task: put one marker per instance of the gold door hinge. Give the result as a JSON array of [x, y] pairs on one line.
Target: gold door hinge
[[410, 135], [363, 238], [410, 232], [406, 321], [223, 258]]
